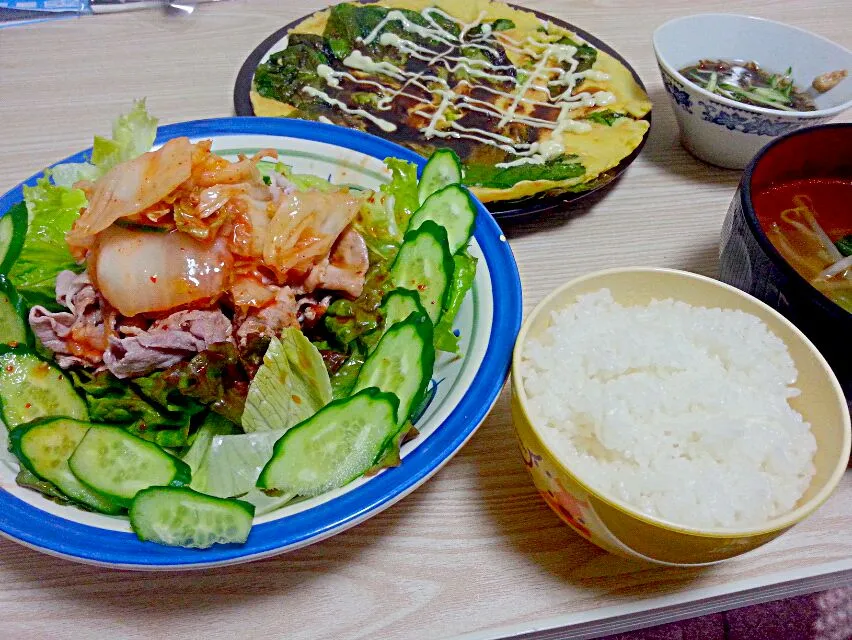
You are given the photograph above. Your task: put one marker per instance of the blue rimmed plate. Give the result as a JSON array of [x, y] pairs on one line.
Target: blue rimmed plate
[[465, 388]]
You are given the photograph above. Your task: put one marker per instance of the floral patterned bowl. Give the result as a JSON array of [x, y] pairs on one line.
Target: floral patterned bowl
[[727, 133], [617, 526]]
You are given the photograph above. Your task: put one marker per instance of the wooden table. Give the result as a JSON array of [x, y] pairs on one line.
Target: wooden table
[[474, 552]]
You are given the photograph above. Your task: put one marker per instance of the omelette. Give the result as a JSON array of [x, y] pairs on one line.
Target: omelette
[[529, 107]]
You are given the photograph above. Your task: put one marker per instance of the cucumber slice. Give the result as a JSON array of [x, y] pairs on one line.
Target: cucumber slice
[[14, 328], [334, 446], [119, 465], [13, 232], [443, 168], [424, 264], [453, 209], [402, 363], [181, 517], [44, 448], [31, 388], [398, 305]]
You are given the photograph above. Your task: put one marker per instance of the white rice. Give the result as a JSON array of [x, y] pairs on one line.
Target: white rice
[[680, 411]]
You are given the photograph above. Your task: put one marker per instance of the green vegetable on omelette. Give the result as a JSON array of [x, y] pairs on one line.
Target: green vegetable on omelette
[[150, 414]]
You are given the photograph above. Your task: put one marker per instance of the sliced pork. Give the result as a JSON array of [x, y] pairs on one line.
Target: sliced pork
[[165, 342], [269, 320], [77, 336], [345, 268]]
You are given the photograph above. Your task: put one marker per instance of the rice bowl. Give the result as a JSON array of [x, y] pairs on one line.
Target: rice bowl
[[620, 527], [680, 411]]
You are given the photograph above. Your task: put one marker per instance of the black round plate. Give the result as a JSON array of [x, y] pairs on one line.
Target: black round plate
[[509, 210]]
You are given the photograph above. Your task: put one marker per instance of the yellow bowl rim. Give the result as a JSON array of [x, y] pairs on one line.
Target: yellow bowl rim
[[776, 524]]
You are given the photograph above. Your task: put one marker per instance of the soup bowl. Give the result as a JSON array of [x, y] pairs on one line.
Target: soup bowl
[[750, 261], [728, 133], [624, 529]]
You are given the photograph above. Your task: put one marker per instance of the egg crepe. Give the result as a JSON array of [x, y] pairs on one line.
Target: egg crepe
[[529, 107]]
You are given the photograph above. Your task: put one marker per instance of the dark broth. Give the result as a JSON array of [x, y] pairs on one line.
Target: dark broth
[[746, 82]]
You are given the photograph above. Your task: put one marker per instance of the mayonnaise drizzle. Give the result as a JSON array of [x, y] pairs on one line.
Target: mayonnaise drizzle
[[384, 125], [544, 74]]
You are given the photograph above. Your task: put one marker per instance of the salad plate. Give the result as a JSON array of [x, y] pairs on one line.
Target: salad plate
[[463, 388], [609, 110]]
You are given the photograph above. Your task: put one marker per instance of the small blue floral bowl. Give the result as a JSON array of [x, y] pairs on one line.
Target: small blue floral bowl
[[727, 133]]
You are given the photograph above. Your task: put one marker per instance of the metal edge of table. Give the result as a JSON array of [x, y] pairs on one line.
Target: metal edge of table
[[676, 606]]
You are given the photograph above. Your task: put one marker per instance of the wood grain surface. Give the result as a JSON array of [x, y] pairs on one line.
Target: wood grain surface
[[474, 549]]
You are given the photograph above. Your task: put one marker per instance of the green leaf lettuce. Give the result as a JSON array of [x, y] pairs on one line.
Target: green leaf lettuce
[[132, 135], [52, 210], [125, 402], [464, 272], [403, 187]]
